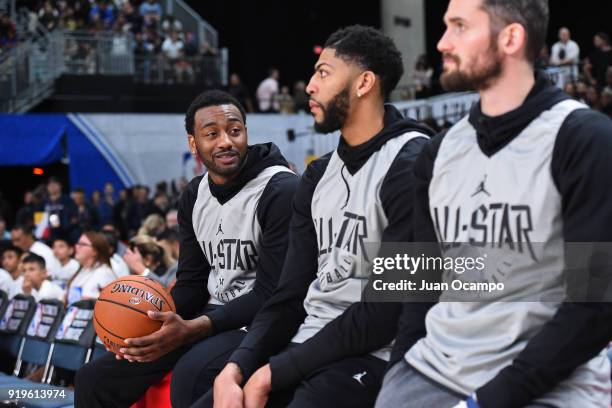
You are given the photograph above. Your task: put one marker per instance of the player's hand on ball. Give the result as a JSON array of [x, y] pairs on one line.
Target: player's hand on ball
[[258, 387], [174, 333], [226, 391]]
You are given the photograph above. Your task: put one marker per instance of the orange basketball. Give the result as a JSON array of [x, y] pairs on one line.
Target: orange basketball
[[121, 310]]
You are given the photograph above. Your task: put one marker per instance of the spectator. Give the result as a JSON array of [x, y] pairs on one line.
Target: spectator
[[239, 91], [541, 63], [591, 98], [285, 101], [105, 205], [171, 24], [118, 265], [86, 214], [104, 13], [570, 89], [172, 218], [22, 237], [421, 77], [173, 49], [151, 12], [10, 273], [62, 212], [152, 225], [93, 253], [566, 54], [609, 80], [300, 97], [4, 234], [133, 20], [25, 214], [63, 250], [143, 51], [146, 258], [8, 32], [266, 92], [35, 281], [48, 16], [601, 58], [169, 240], [210, 72], [606, 102]]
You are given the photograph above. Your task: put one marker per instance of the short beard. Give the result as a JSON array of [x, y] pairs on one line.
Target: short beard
[[479, 79], [334, 113], [227, 172]]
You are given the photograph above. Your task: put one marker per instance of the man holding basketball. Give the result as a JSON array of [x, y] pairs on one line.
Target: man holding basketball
[[315, 343], [233, 225], [524, 177]]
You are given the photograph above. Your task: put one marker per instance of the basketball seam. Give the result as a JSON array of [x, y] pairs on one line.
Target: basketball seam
[[121, 304], [102, 326], [149, 286]]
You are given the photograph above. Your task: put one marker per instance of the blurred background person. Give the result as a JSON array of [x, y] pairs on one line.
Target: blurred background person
[[93, 254]]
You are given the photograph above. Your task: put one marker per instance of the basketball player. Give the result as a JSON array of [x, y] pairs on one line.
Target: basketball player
[[525, 155], [326, 348], [233, 240]]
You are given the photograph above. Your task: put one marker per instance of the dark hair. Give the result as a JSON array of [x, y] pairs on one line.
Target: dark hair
[[62, 237], [531, 14], [111, 239], [14, 249], [25, 228], [33, 258], [370, 49], [100, 245], [604, 36], [169, 234], [210, 98]]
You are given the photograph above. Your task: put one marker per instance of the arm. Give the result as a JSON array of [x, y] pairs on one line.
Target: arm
[[581, 168], [411, 325], [280, 317], [274, 214], [364, 326]]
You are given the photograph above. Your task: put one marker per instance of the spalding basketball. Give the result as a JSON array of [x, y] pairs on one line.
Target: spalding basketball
[[121, 310]]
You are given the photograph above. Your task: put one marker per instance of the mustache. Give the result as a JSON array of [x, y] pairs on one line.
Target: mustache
[[227, 152], [319, 104], [451, 57]]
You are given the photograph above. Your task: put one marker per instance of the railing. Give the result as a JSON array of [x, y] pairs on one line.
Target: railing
[[192, 22], [28, 72], [98, 53], [157, 69]]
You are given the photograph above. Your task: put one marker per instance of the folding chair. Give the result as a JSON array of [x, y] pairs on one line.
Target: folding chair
[[40, 334], [74, 338], [14, 323], [3, 302]]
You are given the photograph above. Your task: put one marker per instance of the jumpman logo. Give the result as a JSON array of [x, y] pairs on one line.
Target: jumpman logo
[[220, 230], [481, 188], [357, 377]]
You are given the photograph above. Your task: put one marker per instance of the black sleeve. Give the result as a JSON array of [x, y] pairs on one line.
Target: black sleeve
[[411, 325], [281, 316], [273, 214], [364, 326], [190, 293], [581, 167]]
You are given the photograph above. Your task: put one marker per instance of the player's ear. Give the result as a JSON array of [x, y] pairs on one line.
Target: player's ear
[[365, 83], [192, 145]]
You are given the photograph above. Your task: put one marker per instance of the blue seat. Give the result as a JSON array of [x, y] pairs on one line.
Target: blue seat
[[40, 334], [74, 338], [14, 323]]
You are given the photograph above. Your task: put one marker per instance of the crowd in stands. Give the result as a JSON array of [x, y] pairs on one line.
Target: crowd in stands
[[163, 49], [8, 32], [69, 247]]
